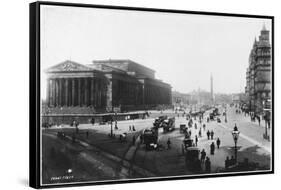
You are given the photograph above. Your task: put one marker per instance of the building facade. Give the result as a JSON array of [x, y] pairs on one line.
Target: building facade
[[105, 85], [258, 74]]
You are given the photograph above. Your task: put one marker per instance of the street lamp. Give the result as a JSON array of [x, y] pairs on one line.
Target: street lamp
[[111, 130], [235, 135]]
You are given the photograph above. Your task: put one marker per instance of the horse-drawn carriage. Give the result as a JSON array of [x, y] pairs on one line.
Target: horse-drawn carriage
[[191, 154], [183, 128], [150, 138]]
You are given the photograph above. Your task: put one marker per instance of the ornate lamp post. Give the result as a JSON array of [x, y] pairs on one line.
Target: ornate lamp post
[[235, 135]]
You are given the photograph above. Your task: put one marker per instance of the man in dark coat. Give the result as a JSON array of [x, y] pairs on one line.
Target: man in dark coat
[[208, 134], [212, 148], [212, 134], [169, 143], [218, 143], [227, 162], [203, 155], [208, 165], [134, 140], [196, 140]]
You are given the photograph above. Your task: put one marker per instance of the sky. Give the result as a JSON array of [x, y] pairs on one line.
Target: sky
[[183, 49]]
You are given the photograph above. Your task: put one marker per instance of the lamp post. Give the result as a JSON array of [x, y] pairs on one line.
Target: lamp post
[[235, 135], [111, 130]]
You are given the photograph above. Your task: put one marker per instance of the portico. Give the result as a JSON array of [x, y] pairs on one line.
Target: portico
[[70, 84]]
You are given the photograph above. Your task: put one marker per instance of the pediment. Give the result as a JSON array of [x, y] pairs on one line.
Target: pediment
[[67, 66]]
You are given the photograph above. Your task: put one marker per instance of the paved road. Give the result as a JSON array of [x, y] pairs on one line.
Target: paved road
[[251, 145], [172, 162]]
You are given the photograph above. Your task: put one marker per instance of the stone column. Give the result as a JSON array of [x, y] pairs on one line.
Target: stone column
[[109, 93], [60, 91], [92, 92], [56, 92], [73, 96], [79, 91], [96, 92], [66, 91], [53, 92], [48, 92], [86, 90]]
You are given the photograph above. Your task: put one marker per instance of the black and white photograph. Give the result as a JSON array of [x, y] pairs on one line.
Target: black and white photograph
[[128, 94]]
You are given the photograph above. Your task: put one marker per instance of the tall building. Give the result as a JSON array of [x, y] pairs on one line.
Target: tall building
[[106, 85], [258, 74]]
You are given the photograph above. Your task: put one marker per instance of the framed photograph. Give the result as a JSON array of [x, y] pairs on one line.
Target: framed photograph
[[127, 94]]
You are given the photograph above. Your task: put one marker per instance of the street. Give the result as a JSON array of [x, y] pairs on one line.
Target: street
[[140, 162]]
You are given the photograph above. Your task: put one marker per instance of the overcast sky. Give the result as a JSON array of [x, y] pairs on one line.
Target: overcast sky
[[183, 49]]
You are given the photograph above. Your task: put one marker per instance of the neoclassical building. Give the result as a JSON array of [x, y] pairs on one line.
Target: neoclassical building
[[105, 85], [258, 75]]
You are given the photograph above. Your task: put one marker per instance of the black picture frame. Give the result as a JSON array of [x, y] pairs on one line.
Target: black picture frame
[[34, 83]]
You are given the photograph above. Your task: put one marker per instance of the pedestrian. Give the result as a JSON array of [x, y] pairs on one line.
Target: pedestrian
[[232, 161], [116, 125], [120, 138], [204, 126], [87, 134], [141, 138], [259, 120], [208, 165], [169, 143], [73, 138], [196, 140], [235, 127], [93, 121], [130, 128], [200, 132], [134, 129], [203, 155], [134, 140], [218, 143], [227, 162], [212, 148], [208, 134], [195, 125], [212, 134]]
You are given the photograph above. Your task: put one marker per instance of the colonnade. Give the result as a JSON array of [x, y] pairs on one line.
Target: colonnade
[[75, 92]]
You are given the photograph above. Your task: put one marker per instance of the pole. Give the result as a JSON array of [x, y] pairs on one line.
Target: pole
[[111, 130], [265, 129], [235, 151]]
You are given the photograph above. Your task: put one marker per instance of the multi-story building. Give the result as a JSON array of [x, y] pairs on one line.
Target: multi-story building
[[258, 75], [105, 85]]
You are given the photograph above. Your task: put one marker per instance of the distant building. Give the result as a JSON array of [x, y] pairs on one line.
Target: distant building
[[239, 98], [258, 75], [212, 90], [180, 99], [106, 85]]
